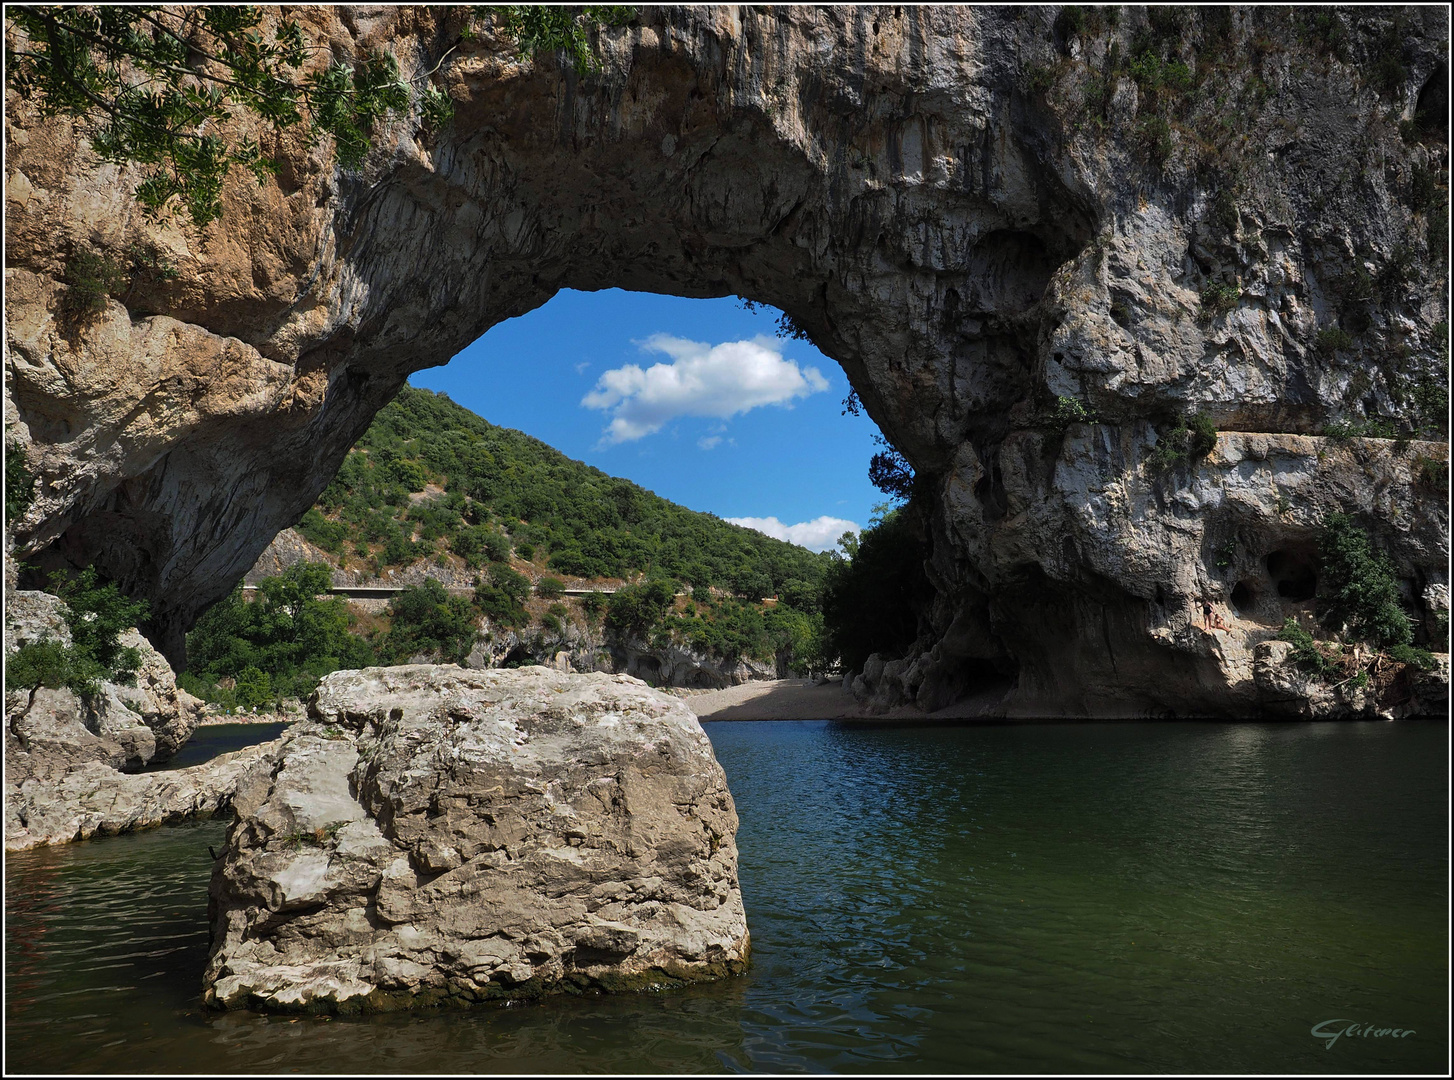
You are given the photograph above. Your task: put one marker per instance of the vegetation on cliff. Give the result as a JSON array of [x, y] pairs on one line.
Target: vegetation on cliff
[[1358, 605], [96, 615], [159, 87], [19, 482], [430, 482]]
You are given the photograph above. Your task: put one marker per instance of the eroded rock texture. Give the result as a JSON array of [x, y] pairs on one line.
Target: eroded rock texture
[[440, 833], [92, 799], [123, 727], [72, 762], [956, 203]]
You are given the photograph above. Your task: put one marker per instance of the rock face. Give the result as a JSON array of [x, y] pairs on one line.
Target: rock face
[[976, 211], [91, 799], [578, 647], [436, 833], [70, 761], [121, 727]]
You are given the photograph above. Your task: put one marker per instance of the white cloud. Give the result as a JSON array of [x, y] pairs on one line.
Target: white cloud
[[820, 534], [702, 380], [708, 442], [581, 367]]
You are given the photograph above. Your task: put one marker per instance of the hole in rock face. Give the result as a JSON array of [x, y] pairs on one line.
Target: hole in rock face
[[519, 656], [1243, 596], [1431, 114], [647, 668], [989, 489], [1013, 269], [1293, 573]]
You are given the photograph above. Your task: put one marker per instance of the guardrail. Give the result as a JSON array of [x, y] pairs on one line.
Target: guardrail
[[370, 592]]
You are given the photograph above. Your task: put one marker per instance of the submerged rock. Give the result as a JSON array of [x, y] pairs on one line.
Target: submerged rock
[[435, 833]]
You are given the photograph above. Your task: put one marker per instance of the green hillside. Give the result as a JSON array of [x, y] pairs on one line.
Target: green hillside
[[504, 490], [432, 481]]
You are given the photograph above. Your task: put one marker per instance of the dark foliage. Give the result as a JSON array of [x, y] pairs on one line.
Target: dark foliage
[[1357, 590], [872, 599], [427, 620], [287, 635], [19, 482]]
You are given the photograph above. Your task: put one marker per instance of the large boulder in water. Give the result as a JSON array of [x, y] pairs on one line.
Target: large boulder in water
[[438, 833]]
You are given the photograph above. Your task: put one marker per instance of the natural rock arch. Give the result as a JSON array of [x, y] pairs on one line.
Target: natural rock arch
[[890, 177]]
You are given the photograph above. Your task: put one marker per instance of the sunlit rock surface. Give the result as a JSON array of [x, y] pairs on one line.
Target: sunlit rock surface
[[927, 192], [67, 757], [437, 833], [92, 799]]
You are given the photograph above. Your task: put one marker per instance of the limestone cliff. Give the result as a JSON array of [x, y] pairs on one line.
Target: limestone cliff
[[976, 211]]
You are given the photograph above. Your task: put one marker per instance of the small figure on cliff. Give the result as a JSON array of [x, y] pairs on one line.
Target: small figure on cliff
[[1218, 624], [1206, 615]]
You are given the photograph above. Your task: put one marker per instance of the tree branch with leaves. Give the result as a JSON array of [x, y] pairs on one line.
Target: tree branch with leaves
[[160, 87]]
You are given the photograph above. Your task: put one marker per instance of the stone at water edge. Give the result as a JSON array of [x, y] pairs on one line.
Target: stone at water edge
[[435, 833]]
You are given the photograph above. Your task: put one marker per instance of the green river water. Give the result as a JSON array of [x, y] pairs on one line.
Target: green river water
[[1109, 897]]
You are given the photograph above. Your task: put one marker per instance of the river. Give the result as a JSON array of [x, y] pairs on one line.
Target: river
[[1107, 897]]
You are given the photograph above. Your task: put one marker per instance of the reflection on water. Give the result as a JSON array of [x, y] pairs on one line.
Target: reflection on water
[[1061, 898], [214, 739]]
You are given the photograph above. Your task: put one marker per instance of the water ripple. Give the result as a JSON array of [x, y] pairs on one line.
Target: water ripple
[[1056, 898]]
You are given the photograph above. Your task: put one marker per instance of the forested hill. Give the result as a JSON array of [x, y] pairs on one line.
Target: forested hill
[[479, 491]]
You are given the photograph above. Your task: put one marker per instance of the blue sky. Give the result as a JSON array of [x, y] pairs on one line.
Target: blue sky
[[697, 400]]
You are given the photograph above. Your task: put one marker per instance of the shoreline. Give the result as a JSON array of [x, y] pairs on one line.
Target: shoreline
[[802, 699], [214, 720]]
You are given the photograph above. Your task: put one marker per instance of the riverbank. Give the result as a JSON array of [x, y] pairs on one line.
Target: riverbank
[[218, 719], [802, 699]]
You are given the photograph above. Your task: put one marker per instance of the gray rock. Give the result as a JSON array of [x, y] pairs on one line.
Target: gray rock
[[92, 799], [125, 726], [923, 189], [441, 833], [32, 616], [583, 647]]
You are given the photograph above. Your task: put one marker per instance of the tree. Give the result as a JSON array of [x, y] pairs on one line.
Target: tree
[[890, 471], [292, 596], [872, 599], [1358, 590], [19, 482], [427, 619], [635, 609], [253, 688], [159, 86], [97, 613], [287, 633], [538, 29]]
